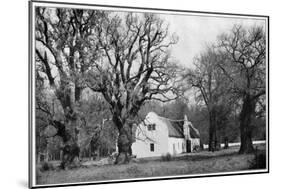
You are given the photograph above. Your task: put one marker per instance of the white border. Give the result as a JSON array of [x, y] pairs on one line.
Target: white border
[[107, 7]]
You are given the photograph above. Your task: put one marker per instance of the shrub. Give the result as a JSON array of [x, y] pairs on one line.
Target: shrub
[[46, 166], [167, 157]]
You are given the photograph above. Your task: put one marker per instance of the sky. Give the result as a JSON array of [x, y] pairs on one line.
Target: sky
[[195, 32]]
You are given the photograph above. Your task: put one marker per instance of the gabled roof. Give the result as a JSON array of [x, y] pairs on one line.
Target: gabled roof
[[194, 133], [175, 129]]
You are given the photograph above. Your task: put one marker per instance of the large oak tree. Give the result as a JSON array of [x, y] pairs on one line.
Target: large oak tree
[[245, 67], [124, 57], [135, 67], [64, 49]]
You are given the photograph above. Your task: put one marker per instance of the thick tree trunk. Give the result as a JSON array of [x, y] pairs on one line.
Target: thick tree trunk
[[247, 111], [211, 131], [214, 143], [226, 143], [211, 138], [70, 156], [123, 151], [70, 131], [124, 144], [70, 148], [216, 137]]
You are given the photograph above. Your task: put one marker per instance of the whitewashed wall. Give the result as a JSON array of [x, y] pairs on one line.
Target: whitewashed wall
[[176, 145], [159, 136]]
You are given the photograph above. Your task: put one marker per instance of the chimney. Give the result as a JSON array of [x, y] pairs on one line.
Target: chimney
[[186, 131]]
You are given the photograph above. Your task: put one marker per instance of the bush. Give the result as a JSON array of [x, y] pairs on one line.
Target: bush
[[167, 157], [46, 166]]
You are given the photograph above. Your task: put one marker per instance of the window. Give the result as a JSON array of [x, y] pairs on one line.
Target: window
[[151, 147], [151, 127]]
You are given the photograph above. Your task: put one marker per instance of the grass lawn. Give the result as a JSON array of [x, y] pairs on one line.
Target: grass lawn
[[194, 163]]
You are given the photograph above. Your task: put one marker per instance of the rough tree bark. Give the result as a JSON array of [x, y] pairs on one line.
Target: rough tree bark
[[124, 147]]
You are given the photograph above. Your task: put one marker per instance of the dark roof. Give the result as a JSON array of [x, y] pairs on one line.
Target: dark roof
[[176, 129], [194, 133]]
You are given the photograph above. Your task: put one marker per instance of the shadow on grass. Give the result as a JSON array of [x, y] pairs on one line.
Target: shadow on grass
[[205, 155], [192, 157]]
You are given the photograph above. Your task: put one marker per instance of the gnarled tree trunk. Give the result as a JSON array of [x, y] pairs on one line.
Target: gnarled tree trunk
[[70, 148], [124, 142]]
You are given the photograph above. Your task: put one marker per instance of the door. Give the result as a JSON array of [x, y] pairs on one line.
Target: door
[[188, 146]]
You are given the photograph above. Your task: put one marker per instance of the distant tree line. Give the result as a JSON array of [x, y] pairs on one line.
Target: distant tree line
[[198, 115], [230, 78]]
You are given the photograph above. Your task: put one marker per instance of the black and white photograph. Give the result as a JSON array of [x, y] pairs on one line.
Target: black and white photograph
[[122, 94]]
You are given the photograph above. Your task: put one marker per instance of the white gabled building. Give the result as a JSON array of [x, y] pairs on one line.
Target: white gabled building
[[158, 136]]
